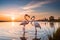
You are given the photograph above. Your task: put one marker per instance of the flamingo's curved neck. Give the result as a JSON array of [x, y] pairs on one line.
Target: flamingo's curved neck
[[26, 19]]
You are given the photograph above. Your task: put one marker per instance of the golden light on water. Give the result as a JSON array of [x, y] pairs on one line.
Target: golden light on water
[[13, 23], [12, 19]]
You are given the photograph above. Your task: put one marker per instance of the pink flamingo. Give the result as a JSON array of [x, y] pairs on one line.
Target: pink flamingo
[[24, 23]]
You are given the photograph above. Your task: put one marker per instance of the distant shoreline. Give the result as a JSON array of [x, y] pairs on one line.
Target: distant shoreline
[[21, 21]]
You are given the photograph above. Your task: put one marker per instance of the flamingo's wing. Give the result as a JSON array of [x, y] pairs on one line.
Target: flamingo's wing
[[22, 23], [37, 25]]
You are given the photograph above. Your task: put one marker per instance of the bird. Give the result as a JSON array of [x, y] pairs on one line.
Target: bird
[[26, 21], [36, 24]]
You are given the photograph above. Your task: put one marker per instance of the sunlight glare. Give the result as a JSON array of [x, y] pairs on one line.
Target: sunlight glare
[[13, 18]]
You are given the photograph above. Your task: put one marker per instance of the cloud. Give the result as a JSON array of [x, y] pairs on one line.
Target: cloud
[[35, 4], [26, 9]]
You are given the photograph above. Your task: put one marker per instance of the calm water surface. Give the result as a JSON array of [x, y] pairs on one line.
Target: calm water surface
[[13, 31]]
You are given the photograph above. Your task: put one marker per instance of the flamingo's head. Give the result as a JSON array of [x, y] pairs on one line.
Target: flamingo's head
[[27, 17], [33, 18]]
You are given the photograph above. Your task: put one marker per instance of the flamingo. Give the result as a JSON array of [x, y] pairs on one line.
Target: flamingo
[[37, 25], [24, 23], [26, 20]]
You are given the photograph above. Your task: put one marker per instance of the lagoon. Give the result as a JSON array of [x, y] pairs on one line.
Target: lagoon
[[13, 30]]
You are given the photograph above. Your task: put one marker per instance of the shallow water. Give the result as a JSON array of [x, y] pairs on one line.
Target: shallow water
[[13, 30]]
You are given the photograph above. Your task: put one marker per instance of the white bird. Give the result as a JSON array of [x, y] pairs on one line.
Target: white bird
[[36, 24]]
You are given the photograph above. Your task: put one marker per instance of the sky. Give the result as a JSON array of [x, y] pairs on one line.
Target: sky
[[15, 9]]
